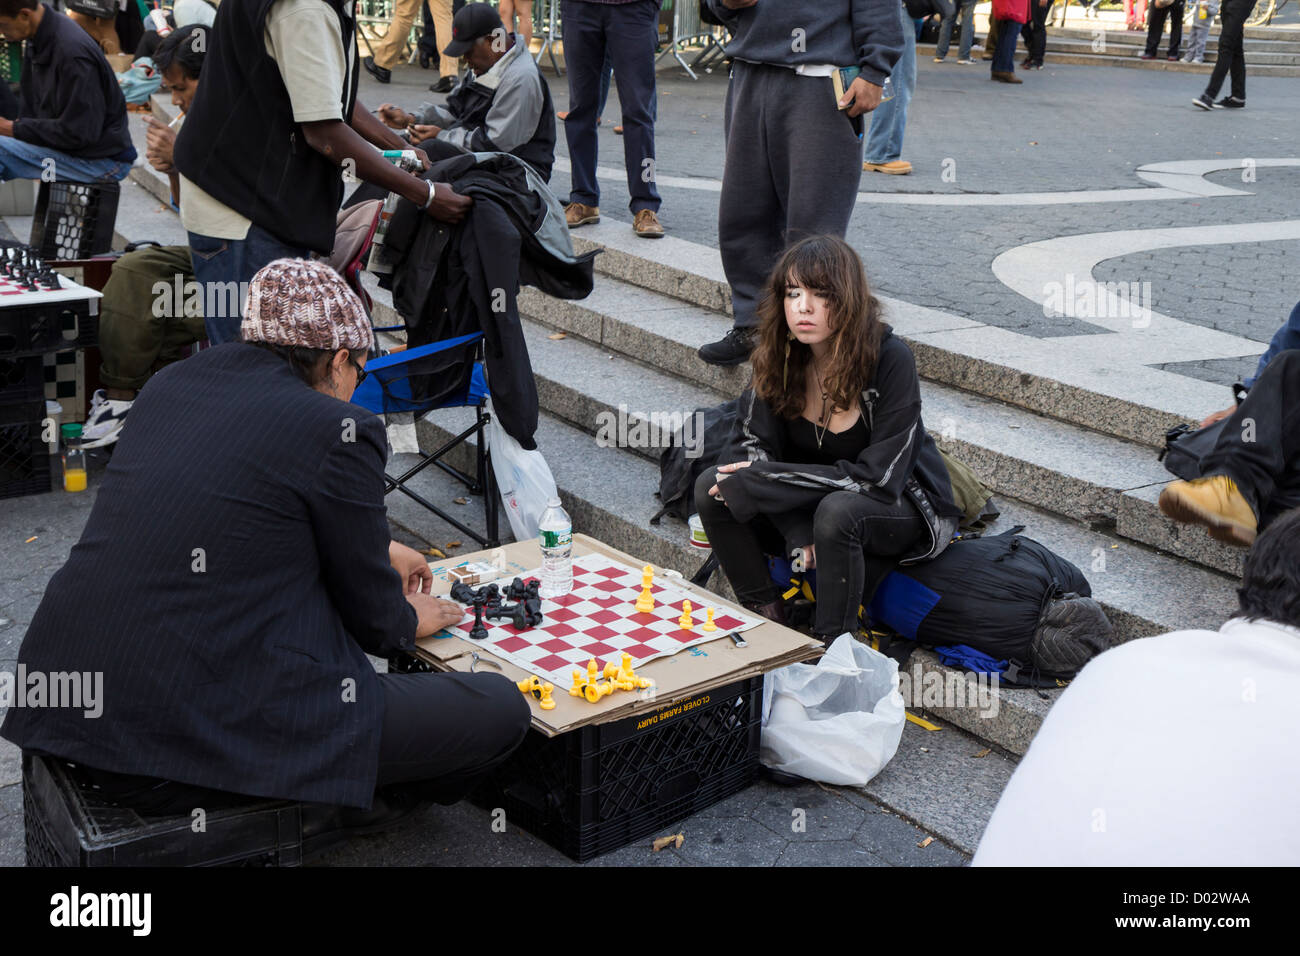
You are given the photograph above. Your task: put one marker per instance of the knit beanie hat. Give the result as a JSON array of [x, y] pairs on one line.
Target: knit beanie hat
[[304, 302]]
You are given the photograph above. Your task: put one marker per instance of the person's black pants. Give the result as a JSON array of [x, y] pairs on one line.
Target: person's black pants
[[858, 540], [1232, 55], [441, 733], [1259, 447], [1035, 32], [1156, 17]]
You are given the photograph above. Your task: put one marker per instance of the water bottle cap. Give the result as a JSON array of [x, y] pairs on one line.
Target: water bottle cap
[[70, 431], [552, 502]]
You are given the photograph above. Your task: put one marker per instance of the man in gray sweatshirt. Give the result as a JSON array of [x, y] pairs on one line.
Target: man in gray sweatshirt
[[794, 154]]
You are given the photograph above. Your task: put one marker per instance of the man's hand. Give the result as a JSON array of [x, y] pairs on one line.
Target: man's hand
[[159, 143], [726, 470], [6, 127], [447, 205], [412, 566], [434, 613], [862, 96], [422, 132], [395, 117], [1219, 416], [738, 4]]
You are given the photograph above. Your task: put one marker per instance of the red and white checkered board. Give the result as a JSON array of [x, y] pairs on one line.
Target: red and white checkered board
[[14, 293], [598, 618]]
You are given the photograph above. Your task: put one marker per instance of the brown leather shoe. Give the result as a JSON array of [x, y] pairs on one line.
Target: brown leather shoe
[[576, 214], [1002, 77], [646, 225], [895, 167]]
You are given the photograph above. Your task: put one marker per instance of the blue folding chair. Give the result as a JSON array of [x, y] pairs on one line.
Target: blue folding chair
[[446, 374]]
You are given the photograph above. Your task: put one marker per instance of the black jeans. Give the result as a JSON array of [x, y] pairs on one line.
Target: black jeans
[[858, 540], [1259, 447], [1156, 17], [1232, 54], [1035, 31], [441, 733]]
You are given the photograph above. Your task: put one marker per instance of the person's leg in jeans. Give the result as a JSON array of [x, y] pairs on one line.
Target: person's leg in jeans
[[741, 548], [442, 732], [1155, 27], [633, 30], [1234, 15], [584, 56], [948, 14], [858, 541], [606, 74], [1176, 12], [224, 267], [1036, 42], [1004, 55], [889, 119], [20, 159], [967, 31]]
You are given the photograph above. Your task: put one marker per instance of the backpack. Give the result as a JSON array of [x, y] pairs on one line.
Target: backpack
[[682, 462], [1006, 596]]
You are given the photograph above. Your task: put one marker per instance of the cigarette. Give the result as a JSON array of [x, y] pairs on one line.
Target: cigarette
[[179, 117]]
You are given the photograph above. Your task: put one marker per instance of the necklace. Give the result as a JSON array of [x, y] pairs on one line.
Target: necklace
[[823, 417]]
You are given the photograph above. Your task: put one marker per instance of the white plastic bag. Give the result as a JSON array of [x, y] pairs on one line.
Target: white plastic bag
[[523, 478], [839, 720]]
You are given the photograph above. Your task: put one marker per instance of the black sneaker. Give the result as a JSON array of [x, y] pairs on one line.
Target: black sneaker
[[1231, 103], [732, 349], [443, 85], [377, 71], [1204, 102]]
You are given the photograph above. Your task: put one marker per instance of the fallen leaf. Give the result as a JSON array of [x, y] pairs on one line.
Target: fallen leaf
[[1033, 142], [31, 539], [435, 552], [673, 840], [452, 544], [558, 335], [983, 753], [460, 501], [925, 750], [926, 842]]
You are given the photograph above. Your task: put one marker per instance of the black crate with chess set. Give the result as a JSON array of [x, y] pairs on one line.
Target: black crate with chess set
[[593, 778], [68, 824]]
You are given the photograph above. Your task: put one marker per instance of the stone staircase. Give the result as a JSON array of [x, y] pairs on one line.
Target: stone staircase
[[1077, 467]]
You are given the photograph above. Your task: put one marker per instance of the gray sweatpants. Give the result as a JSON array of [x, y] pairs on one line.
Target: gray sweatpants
[[792, 170]]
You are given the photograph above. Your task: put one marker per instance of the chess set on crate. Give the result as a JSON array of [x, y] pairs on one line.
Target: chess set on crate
[[44, 318], [654, 708]]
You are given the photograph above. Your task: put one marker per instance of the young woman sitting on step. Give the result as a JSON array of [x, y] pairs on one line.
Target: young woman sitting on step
[[829, 455]]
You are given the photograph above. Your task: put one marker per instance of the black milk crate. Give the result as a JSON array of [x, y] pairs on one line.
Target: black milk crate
[[74, 220], [22, 379], [68, 824], [600, 787], [32, 329], [24, 455]]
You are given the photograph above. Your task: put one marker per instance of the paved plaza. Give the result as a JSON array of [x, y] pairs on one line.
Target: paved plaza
[[1082, 173]]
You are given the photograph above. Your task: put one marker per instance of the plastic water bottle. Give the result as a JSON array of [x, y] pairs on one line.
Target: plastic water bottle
[[555, 535]]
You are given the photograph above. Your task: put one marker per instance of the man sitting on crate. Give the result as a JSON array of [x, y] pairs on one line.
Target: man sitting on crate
[[71, 126]]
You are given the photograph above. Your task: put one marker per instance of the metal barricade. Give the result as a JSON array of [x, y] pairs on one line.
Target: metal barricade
[[687, 29]]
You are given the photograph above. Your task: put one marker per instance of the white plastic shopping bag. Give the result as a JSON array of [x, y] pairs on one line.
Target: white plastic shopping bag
[[839, 720], [523, 478]]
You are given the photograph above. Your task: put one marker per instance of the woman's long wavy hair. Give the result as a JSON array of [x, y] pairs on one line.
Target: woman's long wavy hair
[[828, 266]]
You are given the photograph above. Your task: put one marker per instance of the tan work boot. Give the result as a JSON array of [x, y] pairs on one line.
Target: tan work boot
[[646, 225], [576, 214], [895, 167], [1214, 502]]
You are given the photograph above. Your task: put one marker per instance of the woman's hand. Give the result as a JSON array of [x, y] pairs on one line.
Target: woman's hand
[[727, 469], [412, 566], [434, 614]]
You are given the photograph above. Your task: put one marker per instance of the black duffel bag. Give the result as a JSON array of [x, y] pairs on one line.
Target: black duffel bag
[[1186, 447]]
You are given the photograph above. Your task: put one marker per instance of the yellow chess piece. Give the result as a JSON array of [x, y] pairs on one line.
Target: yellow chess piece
[[708, 623], [528, 685], [578, 684], [546, 702], [611, 671], [646, 602], [598, 689], [591, 671], [685, 622]]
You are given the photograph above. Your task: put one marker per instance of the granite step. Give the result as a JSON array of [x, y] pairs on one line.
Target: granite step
[[948, 348]]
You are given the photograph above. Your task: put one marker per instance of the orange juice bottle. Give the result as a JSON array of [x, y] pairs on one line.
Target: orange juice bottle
[[74, 459]]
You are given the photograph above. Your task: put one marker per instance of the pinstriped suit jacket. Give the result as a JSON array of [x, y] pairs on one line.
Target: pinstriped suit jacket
[[232, 572]]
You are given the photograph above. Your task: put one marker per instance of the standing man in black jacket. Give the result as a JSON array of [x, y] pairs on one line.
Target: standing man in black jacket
[[72, 120], [261, 150]]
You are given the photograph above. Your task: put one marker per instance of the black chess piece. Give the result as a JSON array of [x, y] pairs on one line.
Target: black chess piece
[[478, 632], [462, 593]]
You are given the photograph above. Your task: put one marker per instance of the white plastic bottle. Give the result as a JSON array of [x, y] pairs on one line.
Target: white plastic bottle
[[555, 535]]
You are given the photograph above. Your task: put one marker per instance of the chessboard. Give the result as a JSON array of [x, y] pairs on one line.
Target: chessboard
[[26, 279], [598, 619]]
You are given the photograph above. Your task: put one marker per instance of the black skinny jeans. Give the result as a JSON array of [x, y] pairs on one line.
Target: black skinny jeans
[[1156, 17], [1232, 53], [1259, 447], [1035, 31], [858, 541]]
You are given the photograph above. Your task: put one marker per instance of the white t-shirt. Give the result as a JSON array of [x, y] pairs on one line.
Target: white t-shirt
[[304, 39], [1177, 750]]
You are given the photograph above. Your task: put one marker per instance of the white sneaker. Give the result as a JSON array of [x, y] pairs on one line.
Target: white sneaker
[[104, 423]]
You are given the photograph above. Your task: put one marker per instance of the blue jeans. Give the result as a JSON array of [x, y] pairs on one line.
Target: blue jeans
[[1004, 54], [967, 31], [22, 160], [224, 267], [627, 33], [889, 119]]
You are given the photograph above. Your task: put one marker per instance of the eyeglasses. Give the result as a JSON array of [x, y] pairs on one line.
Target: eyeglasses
[[361, 372]]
